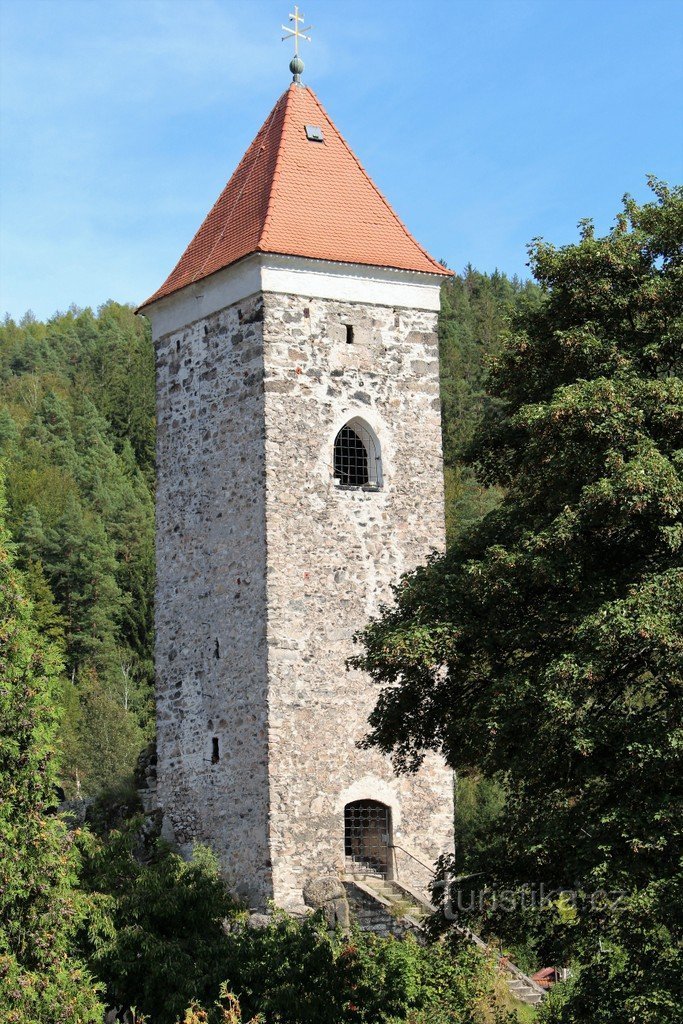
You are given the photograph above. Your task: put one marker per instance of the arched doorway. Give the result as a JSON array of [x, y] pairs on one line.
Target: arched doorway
[[367, 837]]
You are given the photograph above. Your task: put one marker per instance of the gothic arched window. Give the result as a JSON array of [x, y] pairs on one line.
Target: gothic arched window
[[357, 456]]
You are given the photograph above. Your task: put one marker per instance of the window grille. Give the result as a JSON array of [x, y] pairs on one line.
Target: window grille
[[357, 458], [367, 835]]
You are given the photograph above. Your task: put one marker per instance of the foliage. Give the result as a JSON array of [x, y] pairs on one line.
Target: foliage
[[547, 645], [166, 937], [40, 909], [157, 942], [473, 324], [77, 434], [298, 972], [479, 802], [228, 1007]]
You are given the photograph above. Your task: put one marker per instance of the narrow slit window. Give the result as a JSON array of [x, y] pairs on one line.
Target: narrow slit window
[[215, 752], [357, 457], [349, 334]]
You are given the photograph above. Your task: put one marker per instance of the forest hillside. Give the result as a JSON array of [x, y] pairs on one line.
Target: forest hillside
[[77, 439]]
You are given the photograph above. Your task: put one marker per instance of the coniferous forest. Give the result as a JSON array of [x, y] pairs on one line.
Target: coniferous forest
[[77, 436], [543, 654], [77, 439]]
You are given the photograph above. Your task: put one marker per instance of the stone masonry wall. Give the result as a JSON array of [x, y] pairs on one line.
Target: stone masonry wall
[[265, 570], [332, 557], [211, 593]]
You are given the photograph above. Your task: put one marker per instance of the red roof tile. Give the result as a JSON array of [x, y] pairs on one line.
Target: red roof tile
[[301, 198]]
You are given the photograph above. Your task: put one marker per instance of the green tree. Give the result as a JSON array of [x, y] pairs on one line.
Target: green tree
[[479, 802], [162, 943], [78, 428], [40, 978], [547, 646], [100, 739], [473, 325], [81, 567]]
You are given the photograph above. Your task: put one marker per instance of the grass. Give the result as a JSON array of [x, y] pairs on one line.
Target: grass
[[525, 1014]]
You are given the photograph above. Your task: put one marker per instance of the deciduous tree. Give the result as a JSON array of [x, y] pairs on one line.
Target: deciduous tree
[[547, 646]]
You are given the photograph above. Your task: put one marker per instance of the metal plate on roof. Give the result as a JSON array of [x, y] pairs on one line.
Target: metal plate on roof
[[313, 133]]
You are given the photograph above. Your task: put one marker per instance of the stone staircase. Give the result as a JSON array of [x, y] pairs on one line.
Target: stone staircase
[[408, 906], [400, 902]]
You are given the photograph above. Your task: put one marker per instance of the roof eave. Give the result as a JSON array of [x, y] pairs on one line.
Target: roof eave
[[442, 272]]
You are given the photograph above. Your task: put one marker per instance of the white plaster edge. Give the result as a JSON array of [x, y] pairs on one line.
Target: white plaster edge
[[350, 282], [203, 298], [293, 275]]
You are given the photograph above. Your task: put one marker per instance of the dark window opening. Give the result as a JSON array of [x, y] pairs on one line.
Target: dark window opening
[[357, 456], [367, 836], [349, 334], [350, 458], [217, 649], [314, 133], [215, 753]]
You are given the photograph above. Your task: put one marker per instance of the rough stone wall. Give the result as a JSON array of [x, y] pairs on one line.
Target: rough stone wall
[[332, 555], [211, 592], [266, 568]]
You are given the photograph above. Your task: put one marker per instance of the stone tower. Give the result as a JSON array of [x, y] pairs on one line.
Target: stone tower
[[299, 474]]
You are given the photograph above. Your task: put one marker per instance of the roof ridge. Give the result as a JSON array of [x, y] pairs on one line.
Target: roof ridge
[[269, 208], [365, 174], [263, 131], [289, 196]]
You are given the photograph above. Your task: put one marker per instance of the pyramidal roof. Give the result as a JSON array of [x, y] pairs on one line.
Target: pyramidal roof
[[299, 197]]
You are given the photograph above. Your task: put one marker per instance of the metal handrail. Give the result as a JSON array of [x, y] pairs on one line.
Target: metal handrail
[[395, 846]]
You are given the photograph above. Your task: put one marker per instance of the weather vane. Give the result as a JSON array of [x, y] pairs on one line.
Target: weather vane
[[296, 65]]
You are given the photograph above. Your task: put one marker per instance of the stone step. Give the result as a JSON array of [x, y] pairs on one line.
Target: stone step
[[397, 897], [524, 993]]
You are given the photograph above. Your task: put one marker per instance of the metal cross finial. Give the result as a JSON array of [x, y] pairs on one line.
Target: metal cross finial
[[296, 65]]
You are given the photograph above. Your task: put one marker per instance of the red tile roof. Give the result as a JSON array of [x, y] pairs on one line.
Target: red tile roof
[[301, 198]]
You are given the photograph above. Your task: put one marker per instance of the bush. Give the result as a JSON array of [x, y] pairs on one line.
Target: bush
[[158, 941], [168, 939], [297, 972]]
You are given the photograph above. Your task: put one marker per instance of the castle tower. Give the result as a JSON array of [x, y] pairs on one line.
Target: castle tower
[[299, 474]]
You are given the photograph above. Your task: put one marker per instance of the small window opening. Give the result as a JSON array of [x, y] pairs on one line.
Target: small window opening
[[357, 457], [314, 133], [177, 344], [215, 753], [349, 334], [217, 650]]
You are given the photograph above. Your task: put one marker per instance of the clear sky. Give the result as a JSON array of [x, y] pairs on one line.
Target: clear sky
[[484, 122]]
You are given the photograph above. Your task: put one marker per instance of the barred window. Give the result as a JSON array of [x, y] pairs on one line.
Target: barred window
[[357, 457]]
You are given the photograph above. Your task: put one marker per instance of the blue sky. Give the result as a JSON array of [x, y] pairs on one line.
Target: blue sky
[[485, 123]]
